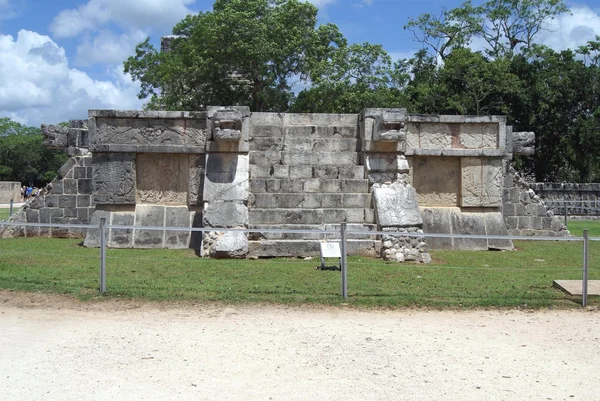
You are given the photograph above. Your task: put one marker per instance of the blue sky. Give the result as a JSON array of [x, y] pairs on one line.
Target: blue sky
[[59, 58]]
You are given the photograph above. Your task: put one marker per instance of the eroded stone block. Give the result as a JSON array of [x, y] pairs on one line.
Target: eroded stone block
[[436, 180], [481, 183], [396, 206], [113, 178], [435, 136], [162, 178], [225, 214], [226, 178]]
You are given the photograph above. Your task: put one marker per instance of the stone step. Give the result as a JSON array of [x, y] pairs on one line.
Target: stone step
[[306, 144], [366, 228], [311, 216], [311, 200], [305, 172], [299, 248], [270, 130], [312, 185], [304, 158]]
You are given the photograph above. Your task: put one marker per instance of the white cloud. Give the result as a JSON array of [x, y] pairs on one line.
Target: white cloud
[[108, 47], [569, 31], [37, 85], [136, 14]]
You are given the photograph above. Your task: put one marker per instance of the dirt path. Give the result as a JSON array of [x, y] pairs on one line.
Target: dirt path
[[52, 348]]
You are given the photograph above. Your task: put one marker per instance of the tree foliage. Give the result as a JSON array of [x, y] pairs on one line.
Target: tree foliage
[[23, 157], [244, 52]]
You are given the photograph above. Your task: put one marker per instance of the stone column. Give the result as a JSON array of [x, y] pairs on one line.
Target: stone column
[[383, 135], [227, 182]]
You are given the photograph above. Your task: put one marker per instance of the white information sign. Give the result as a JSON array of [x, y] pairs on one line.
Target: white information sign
[[330, 250]]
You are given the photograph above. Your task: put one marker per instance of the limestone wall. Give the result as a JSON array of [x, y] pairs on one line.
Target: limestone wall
[[525, 212], [580, 199], [67, 200], [10, 190]]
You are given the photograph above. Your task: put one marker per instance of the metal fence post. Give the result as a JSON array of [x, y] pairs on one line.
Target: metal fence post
[[343, 263], [10, 210], [586, 257], [565, 208], [102, 255]]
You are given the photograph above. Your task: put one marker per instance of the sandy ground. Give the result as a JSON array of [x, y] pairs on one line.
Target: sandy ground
[[54, 348]]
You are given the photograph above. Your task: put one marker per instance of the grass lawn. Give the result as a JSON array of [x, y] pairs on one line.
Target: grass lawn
[[577, 226], [521, 278], [4, 213]]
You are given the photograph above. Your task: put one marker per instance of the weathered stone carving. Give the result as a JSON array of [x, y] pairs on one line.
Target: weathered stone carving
[[227, 125], [390, 126], [524, 143], [114, 179], [55, 136], [397, 206]]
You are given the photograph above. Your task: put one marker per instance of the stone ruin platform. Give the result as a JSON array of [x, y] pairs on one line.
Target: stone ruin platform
[[381, 170]]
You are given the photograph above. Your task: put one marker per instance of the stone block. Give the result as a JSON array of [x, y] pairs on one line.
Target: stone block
[[285, 216], [435, 136], [258, 186], [396, 206], [70, 212], [509, 209], [152, 133], [328, 201], [330, 186], [358, 215], [355, 186], [471, 136], [230, 245], [336, 216], [356, 201], [67, 167], [469, 224], [260, 171], [300, 172], [162, 178], [121, 237], [150, 216], [85, 186], [50, 200], [79, 172], [436, 180], [177, 217], [114, 178], [57, 188], [227, 178], [312, 185], [92, 238], [481, 183], [257, 131], [495, 225], [83, 200], [196, 179], [67, 201], [438, 221], [83, 214], [352, 173], [32, 216], [225, 214], [512, 223]]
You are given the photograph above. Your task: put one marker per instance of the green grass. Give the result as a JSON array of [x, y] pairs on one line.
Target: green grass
[[4, 212], [577, 226], [521, 278]]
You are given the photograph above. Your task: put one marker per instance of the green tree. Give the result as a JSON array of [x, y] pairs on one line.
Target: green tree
[[355, 77], [23, 157], [244, 52], [503, 25]]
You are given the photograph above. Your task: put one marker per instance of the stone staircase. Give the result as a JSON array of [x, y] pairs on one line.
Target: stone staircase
[[282, 197]]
